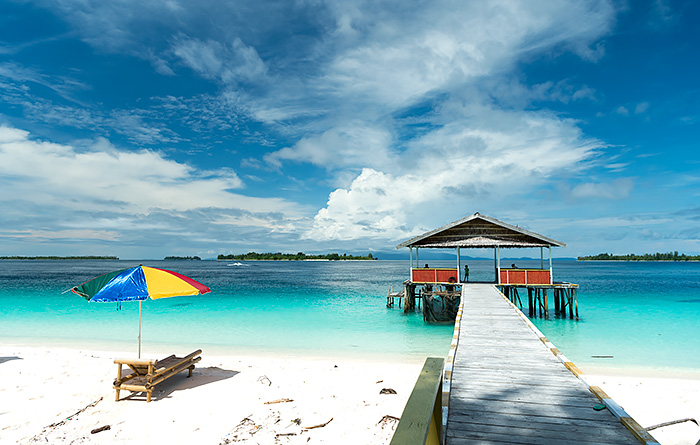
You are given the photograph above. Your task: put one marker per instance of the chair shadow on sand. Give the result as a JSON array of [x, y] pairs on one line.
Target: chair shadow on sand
[[180, 382], [9, 359]]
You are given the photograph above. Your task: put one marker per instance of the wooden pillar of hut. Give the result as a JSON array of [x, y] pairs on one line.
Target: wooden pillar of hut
[[557, 306], [546, 305], [530, 304]]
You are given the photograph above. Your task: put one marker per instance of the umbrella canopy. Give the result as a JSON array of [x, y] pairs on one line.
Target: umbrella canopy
[[137, 284]]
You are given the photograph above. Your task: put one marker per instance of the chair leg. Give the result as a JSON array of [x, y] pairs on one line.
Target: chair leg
[[148, 395], [191, 368], [119, 380]]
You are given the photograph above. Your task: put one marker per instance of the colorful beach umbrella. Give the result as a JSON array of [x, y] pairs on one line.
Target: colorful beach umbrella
[[137, 284]]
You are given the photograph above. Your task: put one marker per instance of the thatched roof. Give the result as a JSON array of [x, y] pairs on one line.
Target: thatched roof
[[480, 231]]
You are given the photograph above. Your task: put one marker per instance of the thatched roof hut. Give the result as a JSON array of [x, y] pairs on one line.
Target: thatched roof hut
[[480, 231]]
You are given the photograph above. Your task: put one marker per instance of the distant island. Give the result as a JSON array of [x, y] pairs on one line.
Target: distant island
[[90, 257], [301, 256], [182, 258], [670, 256]]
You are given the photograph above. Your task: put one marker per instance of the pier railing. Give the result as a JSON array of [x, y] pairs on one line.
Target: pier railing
[[444, 275], [421, 421], [525, 276]]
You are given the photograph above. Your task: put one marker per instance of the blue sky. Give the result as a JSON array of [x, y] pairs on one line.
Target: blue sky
[[150, 128]]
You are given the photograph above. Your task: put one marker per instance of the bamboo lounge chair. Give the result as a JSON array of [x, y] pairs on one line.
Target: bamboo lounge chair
[[146, 374]]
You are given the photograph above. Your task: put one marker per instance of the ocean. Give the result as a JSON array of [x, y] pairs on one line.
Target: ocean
[[636, 315]]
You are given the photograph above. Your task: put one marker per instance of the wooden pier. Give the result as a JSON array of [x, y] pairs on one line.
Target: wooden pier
[[505, 383]]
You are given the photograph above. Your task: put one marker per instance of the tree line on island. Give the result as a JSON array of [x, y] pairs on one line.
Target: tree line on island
[[669, 256], [300, 256]]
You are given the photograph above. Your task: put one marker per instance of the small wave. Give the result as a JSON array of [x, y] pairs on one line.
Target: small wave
[[236, 264]]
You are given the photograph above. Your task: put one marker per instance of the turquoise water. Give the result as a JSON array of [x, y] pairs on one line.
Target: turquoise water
[[645, 315], [290, 308]]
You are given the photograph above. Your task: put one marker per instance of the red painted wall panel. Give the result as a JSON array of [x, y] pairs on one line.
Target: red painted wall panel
[[518, 276], [538, 277], [431, 275], [423, 276], [444, 275]]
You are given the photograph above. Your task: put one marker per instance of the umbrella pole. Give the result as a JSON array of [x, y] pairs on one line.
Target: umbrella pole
[[139, 328]]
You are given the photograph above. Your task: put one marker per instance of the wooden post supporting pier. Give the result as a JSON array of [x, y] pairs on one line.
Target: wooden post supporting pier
[[538, 296], [409, 303]]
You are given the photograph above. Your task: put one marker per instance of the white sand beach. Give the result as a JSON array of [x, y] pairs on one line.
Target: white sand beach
[[41, 391], [51, 395]]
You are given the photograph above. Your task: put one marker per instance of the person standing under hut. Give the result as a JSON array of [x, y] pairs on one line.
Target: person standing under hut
[[466, 273]]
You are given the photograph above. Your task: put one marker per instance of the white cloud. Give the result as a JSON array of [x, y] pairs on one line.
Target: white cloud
[[339, 81], [228, 64], [622, 110], [61, 85], [52, 235], [486, 153], [353, 146], [662, 15], [448, 45], [641, 108], [617, 189], [617, 166], [103, 178]]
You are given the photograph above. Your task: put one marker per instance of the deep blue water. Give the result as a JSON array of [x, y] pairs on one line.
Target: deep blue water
[[642, 314]]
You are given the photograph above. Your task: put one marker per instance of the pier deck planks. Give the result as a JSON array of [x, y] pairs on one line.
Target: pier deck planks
[[507, 387]]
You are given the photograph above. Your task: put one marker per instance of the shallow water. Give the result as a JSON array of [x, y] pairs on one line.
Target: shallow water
[[644, 315], [293, 308]]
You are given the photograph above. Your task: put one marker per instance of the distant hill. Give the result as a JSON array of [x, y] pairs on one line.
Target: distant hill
[[670, 256], [182, 258]]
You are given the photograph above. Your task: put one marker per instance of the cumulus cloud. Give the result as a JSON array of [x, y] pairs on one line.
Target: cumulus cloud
[[483, 154]]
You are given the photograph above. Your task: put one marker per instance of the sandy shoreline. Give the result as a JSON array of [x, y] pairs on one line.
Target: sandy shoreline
[[42, 389], [224, 401]]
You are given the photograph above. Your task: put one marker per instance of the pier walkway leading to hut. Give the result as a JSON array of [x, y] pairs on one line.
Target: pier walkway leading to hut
[[508, 387]]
